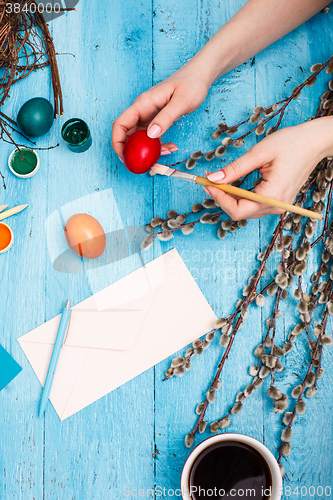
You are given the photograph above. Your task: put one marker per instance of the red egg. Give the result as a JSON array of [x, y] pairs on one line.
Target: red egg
[[141, 152], [85, 236]]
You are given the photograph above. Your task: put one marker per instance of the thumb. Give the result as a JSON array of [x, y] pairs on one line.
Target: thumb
[[167, 116], [238, 168]]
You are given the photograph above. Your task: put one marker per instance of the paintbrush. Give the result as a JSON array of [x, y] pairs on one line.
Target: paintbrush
[[2, 207], [12, 211], [242, 193]]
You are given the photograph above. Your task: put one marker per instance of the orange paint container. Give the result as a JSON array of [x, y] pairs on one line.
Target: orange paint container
[[6, 237]]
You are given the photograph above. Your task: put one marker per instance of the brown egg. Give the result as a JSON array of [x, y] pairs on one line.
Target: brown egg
[[85, 236]]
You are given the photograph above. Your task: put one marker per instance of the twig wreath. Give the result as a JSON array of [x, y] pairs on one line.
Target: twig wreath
[[294, 238], [25, 46]]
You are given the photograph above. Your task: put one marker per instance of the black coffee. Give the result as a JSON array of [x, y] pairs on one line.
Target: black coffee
[[230, 470]]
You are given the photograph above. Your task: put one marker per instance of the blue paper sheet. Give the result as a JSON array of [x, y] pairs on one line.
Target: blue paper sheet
[[9, 369]]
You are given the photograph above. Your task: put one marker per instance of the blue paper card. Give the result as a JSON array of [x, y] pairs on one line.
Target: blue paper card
[[9, 369]]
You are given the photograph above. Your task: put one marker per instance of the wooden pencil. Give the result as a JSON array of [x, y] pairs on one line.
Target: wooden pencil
[[12, 211]]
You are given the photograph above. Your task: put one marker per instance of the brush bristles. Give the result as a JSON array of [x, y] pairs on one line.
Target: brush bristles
[[160, 169]]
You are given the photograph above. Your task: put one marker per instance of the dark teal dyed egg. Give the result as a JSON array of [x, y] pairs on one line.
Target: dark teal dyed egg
[[36, 117]]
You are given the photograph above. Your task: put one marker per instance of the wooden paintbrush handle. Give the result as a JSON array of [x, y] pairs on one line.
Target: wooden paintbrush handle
[[243, 193], [12, 211]]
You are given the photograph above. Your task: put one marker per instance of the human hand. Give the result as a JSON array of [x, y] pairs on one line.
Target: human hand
[[159, 107], [285, 160]]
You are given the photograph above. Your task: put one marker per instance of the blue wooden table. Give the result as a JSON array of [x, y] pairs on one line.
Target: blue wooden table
[[132, 440]]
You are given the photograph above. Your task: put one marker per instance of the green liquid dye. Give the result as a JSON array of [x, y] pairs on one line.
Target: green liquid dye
[[24, 165], [75, 133]]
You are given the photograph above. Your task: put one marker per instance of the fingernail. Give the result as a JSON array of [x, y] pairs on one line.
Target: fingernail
[[216, 176], [174, 149], [206, 191], [154, 131]]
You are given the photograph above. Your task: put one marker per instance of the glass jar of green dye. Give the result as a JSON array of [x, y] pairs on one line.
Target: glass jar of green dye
[[23, 162], [76, 134]]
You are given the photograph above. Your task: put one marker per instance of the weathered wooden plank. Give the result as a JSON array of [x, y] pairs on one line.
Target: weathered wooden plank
[[108, 445], [287, 63], [221, 268], [22, 272]]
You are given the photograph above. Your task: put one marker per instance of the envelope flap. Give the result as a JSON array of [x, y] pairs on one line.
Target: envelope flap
[[43, 334], [115, 328], [91, 329]]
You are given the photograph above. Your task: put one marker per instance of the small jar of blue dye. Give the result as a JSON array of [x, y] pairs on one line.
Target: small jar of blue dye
[[76, 134]]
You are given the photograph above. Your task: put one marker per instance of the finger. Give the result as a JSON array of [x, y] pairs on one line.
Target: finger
[[207, 192], [241, 208], [177, 107], [170, 146], [240, 167], [125, 122], [167, 148], [136, 117], [233, 207]]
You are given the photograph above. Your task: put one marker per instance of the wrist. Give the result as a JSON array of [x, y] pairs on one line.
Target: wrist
[[212, 61], [320, 134]]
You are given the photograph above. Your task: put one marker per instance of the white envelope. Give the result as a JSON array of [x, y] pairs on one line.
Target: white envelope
[[120, 332]]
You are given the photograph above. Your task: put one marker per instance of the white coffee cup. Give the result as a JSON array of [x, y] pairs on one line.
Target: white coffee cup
[[276, 486]]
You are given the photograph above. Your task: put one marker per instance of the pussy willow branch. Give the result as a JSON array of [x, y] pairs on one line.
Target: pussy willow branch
[[271, 326], [256, 379], [313, 357], [319, 366], [186, 358], [272, 320], [325, 229], [236, 328], [150, 229], [281, 111], [248, 300], [189, 223], [303, 315], [296, 227], [230, 319]]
